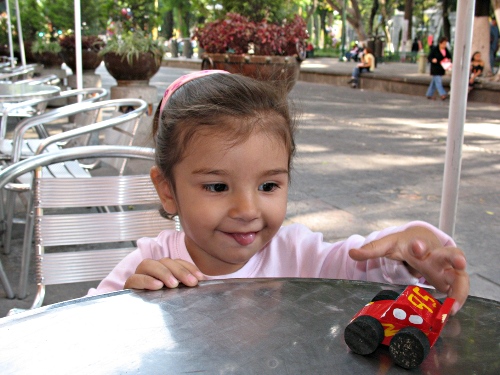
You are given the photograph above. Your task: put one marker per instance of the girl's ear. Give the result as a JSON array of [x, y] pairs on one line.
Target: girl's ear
[[164, 191]]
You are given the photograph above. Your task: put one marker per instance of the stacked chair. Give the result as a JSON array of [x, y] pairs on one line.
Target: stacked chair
[[115, 122], [36, 107], [110, 232]]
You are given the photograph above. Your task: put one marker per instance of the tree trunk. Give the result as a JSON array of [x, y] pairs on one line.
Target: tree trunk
[[383, 23], [481, 33], [353, 16], [496, 9], [481, 41], [373, 13], [168, 28], [408, 20], [446, 20]]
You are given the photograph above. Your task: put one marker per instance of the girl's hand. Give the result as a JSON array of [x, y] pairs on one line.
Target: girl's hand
[[154, 274], [424, 255]]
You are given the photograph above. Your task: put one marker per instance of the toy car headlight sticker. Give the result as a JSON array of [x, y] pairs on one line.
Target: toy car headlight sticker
[[415, 319], [399, 314]]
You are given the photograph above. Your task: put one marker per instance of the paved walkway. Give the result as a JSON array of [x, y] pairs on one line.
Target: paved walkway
[[395, 77], [367, 160]]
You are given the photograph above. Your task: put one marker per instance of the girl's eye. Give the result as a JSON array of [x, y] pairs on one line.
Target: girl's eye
[[215, 188], [268, 186]]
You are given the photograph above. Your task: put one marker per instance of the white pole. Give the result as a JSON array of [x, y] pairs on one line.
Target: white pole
[[20, 35], [456, 116], [9, 31], [78, 45]]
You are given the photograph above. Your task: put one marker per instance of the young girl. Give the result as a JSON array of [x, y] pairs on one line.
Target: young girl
[[224, 148], [476, 67]]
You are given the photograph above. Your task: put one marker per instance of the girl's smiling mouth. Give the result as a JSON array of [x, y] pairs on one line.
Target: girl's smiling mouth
[[243, 239]]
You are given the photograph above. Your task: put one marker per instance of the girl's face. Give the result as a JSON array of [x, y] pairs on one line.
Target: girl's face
[[443, 44], [477, 56], [231, 200]]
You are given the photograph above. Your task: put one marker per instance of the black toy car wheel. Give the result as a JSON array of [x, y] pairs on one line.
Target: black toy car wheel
[[409, 347], [386, 294], [364, 334]]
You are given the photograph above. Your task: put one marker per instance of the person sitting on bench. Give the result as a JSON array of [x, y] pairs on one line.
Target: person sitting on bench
[[367, 63]]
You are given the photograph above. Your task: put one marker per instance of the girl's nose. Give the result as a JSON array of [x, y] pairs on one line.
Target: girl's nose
[[244, 207]]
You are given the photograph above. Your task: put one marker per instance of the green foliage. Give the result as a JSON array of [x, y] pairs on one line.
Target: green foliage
[[50, 16], [43, 45], [89, 43], [32, 18], [60, 13], [131, 44], [274, 11], [133, 14]]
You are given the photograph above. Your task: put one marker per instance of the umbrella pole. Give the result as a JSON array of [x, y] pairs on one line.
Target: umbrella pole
[[78, 45], [9, 32], [456, 115], [20, 34]]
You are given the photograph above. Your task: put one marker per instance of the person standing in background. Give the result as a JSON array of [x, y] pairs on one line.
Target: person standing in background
[[415, 47], [494, 36], [440, 59]]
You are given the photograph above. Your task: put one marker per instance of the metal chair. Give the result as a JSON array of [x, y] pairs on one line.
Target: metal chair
[[49, 79], [10, 75], [124, 124], [66, 217], [34, 107]]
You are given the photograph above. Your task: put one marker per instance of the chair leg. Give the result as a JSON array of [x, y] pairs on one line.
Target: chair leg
[[2, 218], [26, 255], [10, 205], [40, 296], [5, 283]]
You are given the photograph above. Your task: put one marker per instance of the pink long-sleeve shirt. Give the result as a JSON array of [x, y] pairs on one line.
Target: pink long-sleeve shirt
[[295, 251]]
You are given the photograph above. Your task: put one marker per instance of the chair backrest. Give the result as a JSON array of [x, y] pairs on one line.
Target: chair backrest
[[67, 216], [122, 120], [17, 73], [36, 107], [49, 79]]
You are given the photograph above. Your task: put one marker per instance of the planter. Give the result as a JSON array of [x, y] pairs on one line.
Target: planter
[[30, 57], [283, 70], [90, 60], [141, 69], [49, 60]]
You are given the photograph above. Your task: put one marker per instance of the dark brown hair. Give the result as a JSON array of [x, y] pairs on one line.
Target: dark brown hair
[[231, 105], [442, 39]]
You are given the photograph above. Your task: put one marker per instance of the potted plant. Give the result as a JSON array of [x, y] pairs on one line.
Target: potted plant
[[91, 45], [263, 50], [133, 55], [47, 53]]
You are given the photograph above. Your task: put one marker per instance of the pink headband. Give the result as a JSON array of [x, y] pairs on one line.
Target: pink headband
[[182, 80]]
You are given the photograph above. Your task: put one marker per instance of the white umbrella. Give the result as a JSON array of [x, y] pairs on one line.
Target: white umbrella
[[456, 116], [20, 34], [78, 45], [78, 40], [9, 32]]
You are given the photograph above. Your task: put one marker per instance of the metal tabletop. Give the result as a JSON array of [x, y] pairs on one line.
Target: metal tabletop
[[16, 93], [254, 326]]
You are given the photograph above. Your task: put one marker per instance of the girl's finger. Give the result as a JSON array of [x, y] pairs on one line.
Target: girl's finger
[[139, 281]]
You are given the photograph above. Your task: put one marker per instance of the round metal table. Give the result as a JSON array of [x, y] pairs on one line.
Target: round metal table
[[12, 93], [255, 326]]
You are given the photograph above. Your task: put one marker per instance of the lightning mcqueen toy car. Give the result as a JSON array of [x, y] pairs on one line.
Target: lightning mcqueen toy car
[[409, 323]]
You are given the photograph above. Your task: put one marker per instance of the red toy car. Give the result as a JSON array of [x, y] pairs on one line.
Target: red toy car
[[409, 323]]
